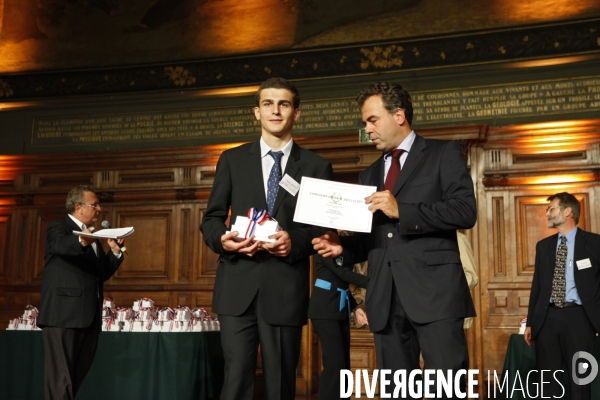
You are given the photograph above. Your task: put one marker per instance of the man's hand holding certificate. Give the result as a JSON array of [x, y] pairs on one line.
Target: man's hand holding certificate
[[334, 205]]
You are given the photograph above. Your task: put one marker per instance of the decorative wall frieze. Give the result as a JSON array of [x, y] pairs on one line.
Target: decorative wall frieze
[[533, 42]]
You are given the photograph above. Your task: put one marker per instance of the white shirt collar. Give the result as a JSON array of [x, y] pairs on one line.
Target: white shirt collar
[[264, 148], [78, 222], [405, 145]]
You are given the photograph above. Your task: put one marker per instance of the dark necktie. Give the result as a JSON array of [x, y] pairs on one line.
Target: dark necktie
[[559, 284], [394, 171], [274, 179]]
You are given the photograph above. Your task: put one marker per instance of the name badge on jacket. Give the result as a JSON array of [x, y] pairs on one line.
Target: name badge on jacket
[[583, 264]]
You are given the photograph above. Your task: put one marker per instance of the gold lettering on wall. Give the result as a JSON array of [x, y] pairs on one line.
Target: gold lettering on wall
[[506, 101], [317, 116], [339, 115]]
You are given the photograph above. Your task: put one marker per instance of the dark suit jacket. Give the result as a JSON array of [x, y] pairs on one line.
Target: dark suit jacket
[[587, 281], [325, 304], [281, 283], [72, 284], [419, 250]]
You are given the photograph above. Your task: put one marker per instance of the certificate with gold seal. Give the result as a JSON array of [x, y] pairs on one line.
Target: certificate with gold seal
[[334, 205]]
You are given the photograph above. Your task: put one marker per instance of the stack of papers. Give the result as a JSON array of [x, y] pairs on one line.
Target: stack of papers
[[116, 233]]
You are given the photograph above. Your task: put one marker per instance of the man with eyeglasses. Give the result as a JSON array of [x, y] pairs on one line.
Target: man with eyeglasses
[[564, 305], [70, 310]]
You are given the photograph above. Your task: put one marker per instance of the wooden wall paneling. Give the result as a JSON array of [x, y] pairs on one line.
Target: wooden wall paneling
[[499, 238], [201, 298], [151, 255], [5, 227], [362, 355], [150, 177], [184, 240], [62, 181], [22, 253], [206, 267], [41, 218]]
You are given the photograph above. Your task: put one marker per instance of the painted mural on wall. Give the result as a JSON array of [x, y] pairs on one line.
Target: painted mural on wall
[[65, 34], [73, 34]]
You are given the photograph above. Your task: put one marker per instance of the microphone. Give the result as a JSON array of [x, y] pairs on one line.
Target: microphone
[[106, 225]]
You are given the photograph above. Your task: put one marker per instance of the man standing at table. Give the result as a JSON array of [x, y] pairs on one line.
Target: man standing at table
[[417, 296], [70, 311], [564, 305], [261, 289]]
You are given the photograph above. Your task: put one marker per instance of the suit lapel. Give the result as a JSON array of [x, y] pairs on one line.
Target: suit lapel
[[412, 161], [578, 254], [88, 251], [292, 169], [256, 179], [376, 174]]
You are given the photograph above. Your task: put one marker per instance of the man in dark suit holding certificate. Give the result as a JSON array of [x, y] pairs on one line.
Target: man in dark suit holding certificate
[[564, 305], [417, 296], [70, 311], [261, 289]]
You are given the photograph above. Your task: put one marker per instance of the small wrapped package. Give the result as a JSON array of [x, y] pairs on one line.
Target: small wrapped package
[[199, 313], [257, 223], [139, 326], [109, 324], [108, 303], [146, 314], [182, 314], [24, 325], [13, 324], [522, 326], [165, 314], [123, 314], [177, 326], [142, 303], [152, 325]]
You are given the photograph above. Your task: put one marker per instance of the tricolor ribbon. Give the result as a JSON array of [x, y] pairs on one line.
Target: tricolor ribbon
[[256, 217], [108, 321], [32, 317]]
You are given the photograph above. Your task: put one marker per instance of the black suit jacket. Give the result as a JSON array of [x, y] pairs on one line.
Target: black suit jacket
[[281, 283], [325, 304], [419, 251], [587, 281], [72, 284]]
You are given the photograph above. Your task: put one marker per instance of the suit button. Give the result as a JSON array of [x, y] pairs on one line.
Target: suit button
[[390, 235]]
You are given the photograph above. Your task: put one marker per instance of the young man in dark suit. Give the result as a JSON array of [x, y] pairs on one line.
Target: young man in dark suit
[[330, 306], [70, 311], [564, 305], [417, 296], [261, 289]]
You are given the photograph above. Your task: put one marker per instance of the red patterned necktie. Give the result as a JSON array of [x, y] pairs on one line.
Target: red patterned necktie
[[394, 171]]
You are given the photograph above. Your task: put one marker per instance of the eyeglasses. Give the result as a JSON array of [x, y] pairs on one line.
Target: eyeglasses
[[549, 209], [95, 206]]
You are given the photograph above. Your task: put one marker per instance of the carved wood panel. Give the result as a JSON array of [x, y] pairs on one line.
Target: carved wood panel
[[150, 248], [4, 246]]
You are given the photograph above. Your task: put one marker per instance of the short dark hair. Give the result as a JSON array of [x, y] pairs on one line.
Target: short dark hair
[[279, 83], [76, 196], [393, 95], [568, 200]]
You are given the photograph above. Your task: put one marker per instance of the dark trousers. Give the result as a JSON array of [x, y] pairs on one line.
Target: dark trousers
[[399, 344], [280, 351], [335, 349], [68, 356], [565, 332]]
